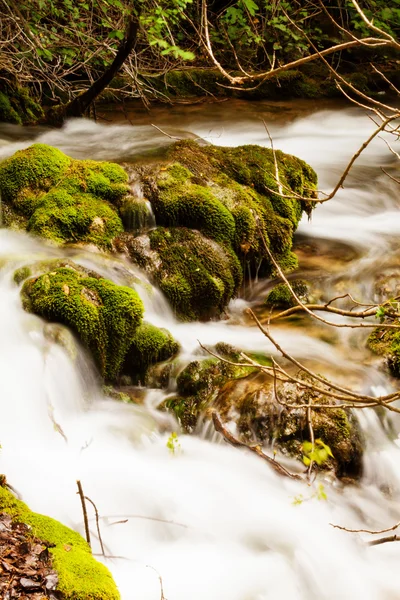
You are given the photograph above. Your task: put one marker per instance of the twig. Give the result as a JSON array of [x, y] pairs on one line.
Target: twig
[[395, 526], [85, 517], [97, 523], [256, 449]]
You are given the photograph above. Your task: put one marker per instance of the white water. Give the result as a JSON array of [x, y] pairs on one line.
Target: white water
[[236, 534]]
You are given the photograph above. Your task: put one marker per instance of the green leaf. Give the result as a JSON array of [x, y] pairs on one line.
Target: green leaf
[[251, 6]]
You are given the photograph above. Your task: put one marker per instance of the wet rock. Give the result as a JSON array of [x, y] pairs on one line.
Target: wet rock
[[281, 297], [197, 275], [260, 418]]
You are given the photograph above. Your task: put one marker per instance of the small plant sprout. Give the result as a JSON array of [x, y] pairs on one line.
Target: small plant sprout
[[173, 444]]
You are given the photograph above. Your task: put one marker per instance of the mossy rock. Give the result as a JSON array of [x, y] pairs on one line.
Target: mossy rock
[[80, 576], [104, 315], [197, 275], [230, 195], [199, 383], [149, 345], [17, 106], [386, 343], [62, 199], [281, 297], [260, 418], [135, 214]]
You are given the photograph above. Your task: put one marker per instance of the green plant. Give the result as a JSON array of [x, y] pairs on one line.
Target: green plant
[[173, 444], [317, 452]]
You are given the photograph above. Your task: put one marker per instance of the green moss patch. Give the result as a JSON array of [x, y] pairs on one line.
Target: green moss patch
[[104, 315], [386, 343], [80, 576], [149, 345], [197, 275], [63, 199], [17, 106], [281, 297]]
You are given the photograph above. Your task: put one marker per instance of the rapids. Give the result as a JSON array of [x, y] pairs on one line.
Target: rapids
[[213, 522]]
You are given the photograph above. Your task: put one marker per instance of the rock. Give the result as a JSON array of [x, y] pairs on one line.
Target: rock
[[386, 343], [281, 297], [104, 315], [149, 345], [57, 558], [197, 275], [229, 194], [260, 418], [62, 199], [199, 383]]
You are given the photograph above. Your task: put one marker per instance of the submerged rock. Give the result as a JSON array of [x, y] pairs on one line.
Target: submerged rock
[[78, 575]]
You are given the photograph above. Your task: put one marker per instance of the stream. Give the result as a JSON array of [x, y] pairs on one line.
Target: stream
[[213, 522]]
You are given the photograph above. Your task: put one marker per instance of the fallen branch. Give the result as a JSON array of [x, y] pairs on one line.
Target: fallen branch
[[97, 523]]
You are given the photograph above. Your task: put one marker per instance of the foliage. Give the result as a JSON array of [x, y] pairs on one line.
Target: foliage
[[317, 452], [173, 444], [318, 494]]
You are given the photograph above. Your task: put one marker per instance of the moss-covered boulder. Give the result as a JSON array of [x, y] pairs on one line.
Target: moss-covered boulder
[[149, 345], [80, 576], [252, 404], [197, 275], [104, 315], [281, 297], [62, 199], [231, 196]]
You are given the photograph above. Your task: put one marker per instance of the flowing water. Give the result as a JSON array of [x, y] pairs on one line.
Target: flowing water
[[213, 522]]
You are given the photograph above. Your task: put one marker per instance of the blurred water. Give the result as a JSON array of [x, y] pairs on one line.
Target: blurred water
[[226, 527]]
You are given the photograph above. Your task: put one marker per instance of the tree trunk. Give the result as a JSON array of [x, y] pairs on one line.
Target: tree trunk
[[79, 105]]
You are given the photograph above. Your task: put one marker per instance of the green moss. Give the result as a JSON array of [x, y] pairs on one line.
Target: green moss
[[180, 201], [386, 342], [7, 113], [65, 218], [149, 345], [21, 274], [197, 275], [80, 576], [281, 296], [36, 169], [104, 315], [62, 199]]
